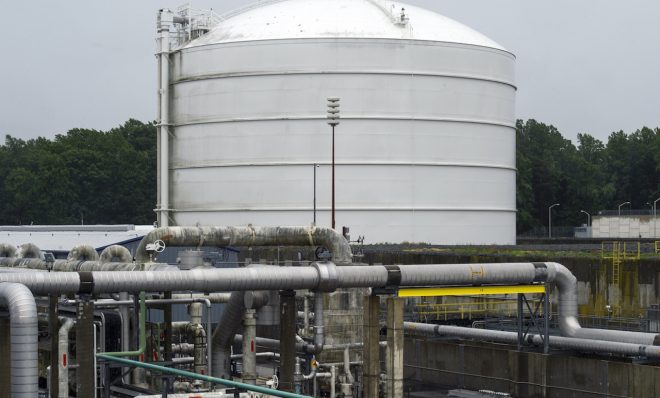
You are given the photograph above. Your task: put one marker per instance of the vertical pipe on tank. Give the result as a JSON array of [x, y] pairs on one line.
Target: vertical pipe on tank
[[158, 117], [165, 21]]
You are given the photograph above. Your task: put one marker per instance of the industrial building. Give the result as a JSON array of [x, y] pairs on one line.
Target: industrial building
[[643, 225], [425, 152]]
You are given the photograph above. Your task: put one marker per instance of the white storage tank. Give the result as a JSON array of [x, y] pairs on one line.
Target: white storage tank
[[425, 151]]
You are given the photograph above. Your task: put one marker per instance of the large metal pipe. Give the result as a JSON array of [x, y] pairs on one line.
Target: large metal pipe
[[569, 325], [249, 374], [165, 21], [319, 327], [249, 236], [321, 276], [230, 321], [18, 300], [75, 265], [559, 342], [63, 363]]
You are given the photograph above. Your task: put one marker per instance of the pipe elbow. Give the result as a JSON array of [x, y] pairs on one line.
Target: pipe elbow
[[561, 276], [83, 253], [336, 242], [7, 250], [566, 284], [30, 250], [314, 348], [122, 254]]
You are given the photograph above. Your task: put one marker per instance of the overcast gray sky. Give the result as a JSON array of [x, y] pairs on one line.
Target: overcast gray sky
[[584, 66]]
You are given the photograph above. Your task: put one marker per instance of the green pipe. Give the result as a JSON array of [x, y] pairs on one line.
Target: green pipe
[[142, 330], [191, 375]]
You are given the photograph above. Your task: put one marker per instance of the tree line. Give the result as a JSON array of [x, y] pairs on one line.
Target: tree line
[[591, 176], [107, 177], [85, 176]]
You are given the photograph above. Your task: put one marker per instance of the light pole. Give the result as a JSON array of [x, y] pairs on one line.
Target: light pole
[[655, 218], [622, 204], [315, 166], [588, 217], [550, 219], [333, 117]]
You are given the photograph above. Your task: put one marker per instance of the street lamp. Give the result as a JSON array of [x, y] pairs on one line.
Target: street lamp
[[655, 218], [333, 121], [622, 204], [588, 217], [550, 219], [315, 167]]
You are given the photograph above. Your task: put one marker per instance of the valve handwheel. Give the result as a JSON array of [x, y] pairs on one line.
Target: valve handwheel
[[160, 246]]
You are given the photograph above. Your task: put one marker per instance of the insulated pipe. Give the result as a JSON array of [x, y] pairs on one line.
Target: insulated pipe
[[215, 298], [566, 343], [63, 363], [568, 313], [249, 236], [230, 321], [347, 367], [333, 381], [110, 253], [322, 276], [18, 300], [19, 270], [319, 328], [165, 21], [83, 253], [200, 341], [249, 373], [124, 313], [66, 265], [305, 315]]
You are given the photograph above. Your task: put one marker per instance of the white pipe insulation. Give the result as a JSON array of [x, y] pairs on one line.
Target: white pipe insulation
[[326, 277], [566, 343], [63, 362], [224, 236], [18, 300], [165, 21]]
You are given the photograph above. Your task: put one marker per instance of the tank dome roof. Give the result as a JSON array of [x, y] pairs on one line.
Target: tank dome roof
[[309, 19]]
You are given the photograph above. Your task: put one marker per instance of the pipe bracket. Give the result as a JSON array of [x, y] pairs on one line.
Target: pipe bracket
[[541, 272], [328, 279], [86, 282]]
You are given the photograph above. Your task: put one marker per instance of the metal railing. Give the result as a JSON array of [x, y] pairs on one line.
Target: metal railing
[[466, 310]]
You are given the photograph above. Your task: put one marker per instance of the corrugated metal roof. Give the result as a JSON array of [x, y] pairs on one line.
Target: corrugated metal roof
[[292, 19], [65, 237]]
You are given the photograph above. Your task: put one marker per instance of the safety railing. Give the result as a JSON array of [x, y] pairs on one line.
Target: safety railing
[[467, 310]]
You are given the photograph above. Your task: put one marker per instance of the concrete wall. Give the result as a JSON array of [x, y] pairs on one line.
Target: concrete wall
[[525, 374], [625, 227]]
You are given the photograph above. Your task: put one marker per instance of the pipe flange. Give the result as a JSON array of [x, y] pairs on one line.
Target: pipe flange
[[328, 280]]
